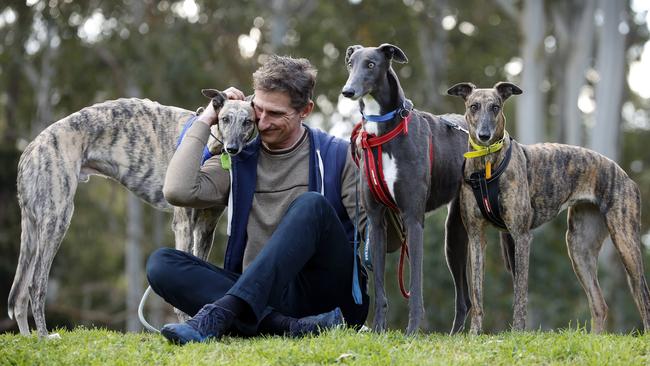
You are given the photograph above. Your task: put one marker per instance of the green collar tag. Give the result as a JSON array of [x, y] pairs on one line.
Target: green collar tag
[[225, 161]]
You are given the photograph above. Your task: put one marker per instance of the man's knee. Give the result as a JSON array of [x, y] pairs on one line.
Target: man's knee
[[159, 265], [312, 201]]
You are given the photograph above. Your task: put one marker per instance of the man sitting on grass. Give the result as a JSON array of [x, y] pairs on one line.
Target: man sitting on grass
[[290, 261]]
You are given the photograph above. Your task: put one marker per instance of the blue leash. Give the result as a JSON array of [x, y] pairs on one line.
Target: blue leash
[[356, 287]]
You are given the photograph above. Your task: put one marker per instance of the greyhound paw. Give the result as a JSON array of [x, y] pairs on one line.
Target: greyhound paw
[[379, 326], [53, 336], [412, 329]]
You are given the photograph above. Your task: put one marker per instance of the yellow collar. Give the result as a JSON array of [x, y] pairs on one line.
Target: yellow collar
[[482, 151]]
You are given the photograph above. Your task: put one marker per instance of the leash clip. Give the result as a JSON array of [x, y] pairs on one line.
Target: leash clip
[[407, 106]]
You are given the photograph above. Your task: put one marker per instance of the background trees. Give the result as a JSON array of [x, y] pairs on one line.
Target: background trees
[[572, 59]]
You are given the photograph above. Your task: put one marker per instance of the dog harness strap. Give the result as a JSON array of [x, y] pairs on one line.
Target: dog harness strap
[[404, 253], [373, 169], [486, 192]]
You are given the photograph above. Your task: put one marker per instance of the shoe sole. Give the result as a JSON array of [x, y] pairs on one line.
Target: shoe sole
[[172, 337]]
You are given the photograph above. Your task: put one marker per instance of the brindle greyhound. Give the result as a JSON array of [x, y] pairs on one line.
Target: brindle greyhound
[[416, 185], [540, 181], [128, 140]]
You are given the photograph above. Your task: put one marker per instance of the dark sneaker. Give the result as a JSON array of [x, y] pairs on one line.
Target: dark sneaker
[[316, 323], [211, 321]]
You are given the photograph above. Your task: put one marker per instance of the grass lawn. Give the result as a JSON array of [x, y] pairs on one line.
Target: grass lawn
[[102, 347]]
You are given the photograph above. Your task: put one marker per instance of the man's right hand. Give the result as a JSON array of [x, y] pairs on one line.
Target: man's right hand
[[234, 93]]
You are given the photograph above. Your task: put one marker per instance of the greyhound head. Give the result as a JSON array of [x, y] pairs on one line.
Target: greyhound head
[[236, 125], [484, 109], [368, 67]]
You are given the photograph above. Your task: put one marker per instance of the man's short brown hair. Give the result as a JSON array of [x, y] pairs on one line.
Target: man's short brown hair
[[295, 76]]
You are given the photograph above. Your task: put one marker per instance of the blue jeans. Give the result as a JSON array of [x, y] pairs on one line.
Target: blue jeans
[[305, 268]]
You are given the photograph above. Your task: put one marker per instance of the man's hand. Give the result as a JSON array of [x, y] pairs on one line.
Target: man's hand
[[234, 93]]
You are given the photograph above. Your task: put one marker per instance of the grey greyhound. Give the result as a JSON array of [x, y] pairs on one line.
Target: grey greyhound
[[128, 140], [416, 183], [537, 183]]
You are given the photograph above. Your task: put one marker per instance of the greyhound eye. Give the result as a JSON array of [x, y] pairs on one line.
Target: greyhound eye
[[474, 107], [248, 121], [225, 120], [495, 108], [371, 65]]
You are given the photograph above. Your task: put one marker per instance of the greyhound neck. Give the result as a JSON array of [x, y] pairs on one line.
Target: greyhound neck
[[389, 96], [476, 164]]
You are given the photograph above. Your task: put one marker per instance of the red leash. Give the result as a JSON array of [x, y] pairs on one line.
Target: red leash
[[375, 177]]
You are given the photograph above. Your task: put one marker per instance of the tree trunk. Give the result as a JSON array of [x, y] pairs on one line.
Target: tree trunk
[[432, 41], [530, 116], [580, 50]]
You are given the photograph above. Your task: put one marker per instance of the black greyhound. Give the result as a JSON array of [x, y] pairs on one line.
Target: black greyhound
[[422, 170]]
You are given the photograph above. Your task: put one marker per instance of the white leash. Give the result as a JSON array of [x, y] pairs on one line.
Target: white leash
[[144, 322]]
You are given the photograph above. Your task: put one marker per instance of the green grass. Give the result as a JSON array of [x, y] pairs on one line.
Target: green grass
[[100, 347]]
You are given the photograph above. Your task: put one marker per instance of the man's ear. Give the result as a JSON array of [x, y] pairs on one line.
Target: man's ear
[[462, 90], [350, 51], [393, 53], [306, 110], [506, 89]]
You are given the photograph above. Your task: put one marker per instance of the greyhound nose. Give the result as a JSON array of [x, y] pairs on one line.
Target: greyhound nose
[[348, 93], [232, 150], [484, 137]]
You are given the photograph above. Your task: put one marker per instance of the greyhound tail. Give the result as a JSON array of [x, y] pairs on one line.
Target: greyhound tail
[[508, 251]]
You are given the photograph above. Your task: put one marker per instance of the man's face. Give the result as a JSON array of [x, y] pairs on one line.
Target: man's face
[[278, 122]]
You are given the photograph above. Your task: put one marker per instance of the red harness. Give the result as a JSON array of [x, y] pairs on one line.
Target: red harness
[[372, 155]]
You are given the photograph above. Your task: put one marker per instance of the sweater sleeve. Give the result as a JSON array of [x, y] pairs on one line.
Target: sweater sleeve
[[190, 184]]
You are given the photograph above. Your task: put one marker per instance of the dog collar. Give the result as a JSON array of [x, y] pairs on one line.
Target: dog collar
[[481, 150], [403, 111]]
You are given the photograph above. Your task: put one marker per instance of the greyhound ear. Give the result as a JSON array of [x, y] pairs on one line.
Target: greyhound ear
[[217, 97], [350, 51], [210, 93], [462, 90], [506, 89], [393, 53]]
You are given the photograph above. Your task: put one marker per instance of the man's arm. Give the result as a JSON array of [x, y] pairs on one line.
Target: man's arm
[[189, 184]]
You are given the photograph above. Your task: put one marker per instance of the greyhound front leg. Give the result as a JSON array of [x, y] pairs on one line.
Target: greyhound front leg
[[205, 221], [414, 236], [377, 229], [522, 254], [477, 267], [182, 226]]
